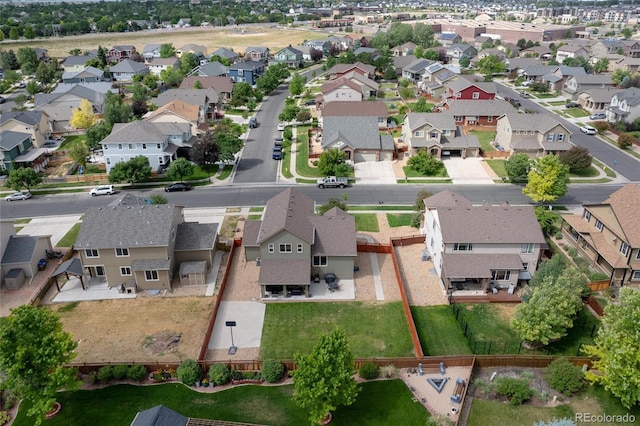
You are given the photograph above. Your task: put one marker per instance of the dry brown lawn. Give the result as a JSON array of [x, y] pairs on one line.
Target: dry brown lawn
[[212, 38], [117, 330]]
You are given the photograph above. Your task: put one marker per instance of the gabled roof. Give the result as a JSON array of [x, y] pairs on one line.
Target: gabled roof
[[127, 226], [212, 69], [625, 203], [288, 211], [246, 65], [88, 71], [192, 47], [127, 65], [540, 122], [356, 132], [196, 236], [159, 416], [418, 65], [74, 61], [352, 75], [630, 95], [406, 46], [81, 91], [335, 234], [572, 48], [355, 109], [123, 47], [566, 70], [338, 82], [291, 50], [19, 249], [144, 131], [10, 139], [217, 83], [600, 94], [539, 70], [459, 84], [439, 120], [171, 61], [178, 107], [446, 199], [479, 107], [344, 68], [151, 47], [30, 118], [462, 47], [260, 49], [522, 63], [200, 97], [604, 79], [225, 53], [402, 61], [448, 36]]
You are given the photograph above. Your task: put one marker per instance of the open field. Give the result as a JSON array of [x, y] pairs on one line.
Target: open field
[[116, 330], [233, 38]]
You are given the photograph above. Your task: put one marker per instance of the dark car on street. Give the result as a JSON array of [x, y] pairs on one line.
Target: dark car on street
[[180, 186], [573, 105]]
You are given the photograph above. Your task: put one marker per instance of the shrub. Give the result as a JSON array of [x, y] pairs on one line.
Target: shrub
[[625, 140], [4, 417], [577, 158], [236, 375], [189, 372], [389, 371], [219, 374], [137, 372], [368, 371], [598, 276], [93, 378], [425, 163], [9, 399], [272, 370], [517, 390], [105, 373], [564, 376], [601, 126], [120, 371]]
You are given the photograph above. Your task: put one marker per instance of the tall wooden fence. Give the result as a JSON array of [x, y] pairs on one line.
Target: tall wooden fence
[[599, 285], [595, 305]]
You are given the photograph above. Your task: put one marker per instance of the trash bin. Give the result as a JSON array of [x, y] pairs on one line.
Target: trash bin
[[42, 264]]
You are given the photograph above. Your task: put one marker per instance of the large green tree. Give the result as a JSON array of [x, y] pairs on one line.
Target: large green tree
[[28, 60], [180, 168], [490, 66], [332, 163], [323, 380], [204, 151], [548, 179], [79, 153], [228, 146], [517, 167], [23, 177], [133, 171], [617, 349], [33, 352], [167, 50], [115, 111], [96, 133], [296, 85], [188, 61]]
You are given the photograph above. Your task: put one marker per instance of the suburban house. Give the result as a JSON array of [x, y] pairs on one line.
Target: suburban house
[[340, 70], [76, 63], [556, 79], [479, 248], [222, 85], [607, 234], [571, 51], [142, 247], [59, 104], [541, 52], [416, 69], [399, 62], [603, 47], [404, 49], [596, 100], [253, 53], [375, 53], [126, 69], [225, 53], [461, 88], [343, 43], [322, 45], [157, 65], [159, 142], [290, 56], [292, 245], [210, 69], [20, 255], [492, 51], [438, 133], [150, 51], [579, 83], [16, 150], [178, 111], [247, 71], [351, 87], [533, 134], [457, 51], [630, 48], [208, 100], [358, 137], [624, 105], [307, 51], [199, 51], [627, 64], [434, 78], [118, 53], [448, 39], [35, 123], [477, 113], [84, 75], [377, 109]]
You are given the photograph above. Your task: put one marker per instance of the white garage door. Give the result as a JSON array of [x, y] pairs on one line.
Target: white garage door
[[365, 156], [386, 156]]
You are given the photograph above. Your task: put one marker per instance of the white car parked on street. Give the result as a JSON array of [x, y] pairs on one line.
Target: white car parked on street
[[102, 190]]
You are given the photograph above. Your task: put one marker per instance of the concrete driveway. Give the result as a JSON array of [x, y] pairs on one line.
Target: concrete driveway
[[467, 171], [374, 173], [56, 226]]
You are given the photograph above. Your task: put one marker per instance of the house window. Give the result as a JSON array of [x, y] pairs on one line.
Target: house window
[[299, 248], [151, 275], [132, 146], [121, 252], [320, 261], [527, 248], [108, 160], [160, 160], [157, 146], [418, 134], [624, 248], [457, 118], [271, 248], [587, 215], [490, 119], [91, 253], [286, 248], [638, 255], [517, 132], [476, 95], [635, 275], [125, 271], [551, 137], [144, 146], [500, 275], [119, 146], [433, 135], [599, 225], [525, 266], [560, 137], [462, 247]]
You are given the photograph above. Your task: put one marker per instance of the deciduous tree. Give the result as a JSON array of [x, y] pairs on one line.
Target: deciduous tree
[[28, 60], [83, 117], [33, 352], [577, 158], [115, 111], [517, 167], [323, 380], [96, 133], [548, 179], [425, 163], [331, 163], [296, 85], [490, 66], [167, 50], [617, 349], [204, 152], [228, 146], [23, 177], [133, 171], [180, 168], [79, 153]]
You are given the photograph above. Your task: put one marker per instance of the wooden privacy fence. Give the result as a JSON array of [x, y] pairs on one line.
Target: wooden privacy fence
[[595, 305], [526, 361], [495, 154], [37, 298], [598, 285], [366, 247], [407, 241]]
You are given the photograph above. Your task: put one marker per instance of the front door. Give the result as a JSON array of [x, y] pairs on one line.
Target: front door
[[99, 271]]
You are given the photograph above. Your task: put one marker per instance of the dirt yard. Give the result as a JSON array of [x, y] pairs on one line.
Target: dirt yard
[[99, 326], [212, 38]]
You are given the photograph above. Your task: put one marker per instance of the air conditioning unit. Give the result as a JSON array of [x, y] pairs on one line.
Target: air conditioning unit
[[258, 260]]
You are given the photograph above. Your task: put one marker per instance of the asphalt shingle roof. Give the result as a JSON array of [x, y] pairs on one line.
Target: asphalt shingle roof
[[127, 65], [355, 109], [159, 416], [290, 211], [357, 132], [30, 118], [144, 131], [196, 236], [625, 203], [19, 249], [335, 234], [10, 139]]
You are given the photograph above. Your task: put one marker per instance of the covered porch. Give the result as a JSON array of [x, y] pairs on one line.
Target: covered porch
[[284, 278]]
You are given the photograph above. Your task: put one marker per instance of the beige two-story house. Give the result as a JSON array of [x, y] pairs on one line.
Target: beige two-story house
[[292, 245], [608, 235], [624, 106], [35, 123], [141, 247], [533, 134], [438, 134]]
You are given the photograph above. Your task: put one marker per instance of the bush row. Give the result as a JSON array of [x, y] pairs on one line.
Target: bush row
[[189, 372], [136, 372]]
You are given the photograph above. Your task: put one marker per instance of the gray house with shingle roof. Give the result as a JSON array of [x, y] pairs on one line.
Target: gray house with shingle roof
[[126, 69], [439, 134], [478, 247], [625, 106], [533, 134], [142, 246], [291, 244], [358, 137], [159, 416], [23, 253]]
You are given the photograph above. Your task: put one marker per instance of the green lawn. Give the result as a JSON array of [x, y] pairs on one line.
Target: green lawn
[[576, 112], [438, 331], [485, 137], [588, 172], [255, 217], [497, 166], [302, 155], [373, 330], [226, 171], [69, 141], [400, 219], [557, 103], [409, 172], [545, 95], [367, 222], [256, 209], [200, 173], [380, 207], [70, 237], [412, 106]]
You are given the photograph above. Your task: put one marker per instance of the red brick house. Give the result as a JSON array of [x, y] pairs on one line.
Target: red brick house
[[462, 88], [339, 70]]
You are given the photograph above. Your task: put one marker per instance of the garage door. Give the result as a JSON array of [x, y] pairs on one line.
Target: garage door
[[386, 156], [365, 156], [452, 153]]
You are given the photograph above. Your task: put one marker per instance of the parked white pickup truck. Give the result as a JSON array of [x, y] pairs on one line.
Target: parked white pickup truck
[[332, 182]]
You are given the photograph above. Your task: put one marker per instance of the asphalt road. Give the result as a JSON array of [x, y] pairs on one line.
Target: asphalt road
[[9, 103], [252, 195], [615, 159]]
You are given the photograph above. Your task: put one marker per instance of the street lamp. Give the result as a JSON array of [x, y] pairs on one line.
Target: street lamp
[[233, 348]]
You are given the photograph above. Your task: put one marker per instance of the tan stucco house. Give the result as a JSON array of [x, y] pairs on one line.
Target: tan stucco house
[[533, 134], [438, 133]]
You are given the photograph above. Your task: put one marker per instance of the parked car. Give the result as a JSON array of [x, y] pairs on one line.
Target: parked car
[[22, 85], [1, 100], [588, 130], [253, 123], [310, 102], [525, 94], [573, 105], [49, 144], [598, 116], [278, 141], [18, 196], [525, 83], [281, 126], [179, 186], [277, 153], [102, 190]]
